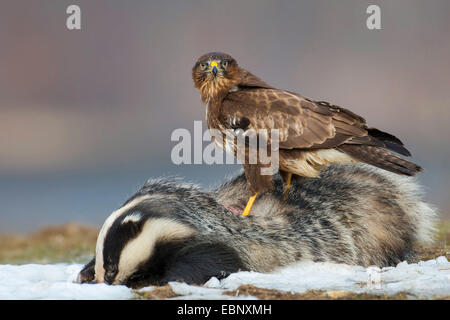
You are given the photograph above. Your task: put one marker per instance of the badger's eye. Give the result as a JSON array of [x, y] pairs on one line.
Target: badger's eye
[[203, 66], [224, 63]]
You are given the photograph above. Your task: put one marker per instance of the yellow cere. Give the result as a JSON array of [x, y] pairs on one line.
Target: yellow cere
[[214, 64]]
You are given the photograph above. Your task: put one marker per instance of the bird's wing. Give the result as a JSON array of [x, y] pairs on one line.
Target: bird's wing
[[301, 123]]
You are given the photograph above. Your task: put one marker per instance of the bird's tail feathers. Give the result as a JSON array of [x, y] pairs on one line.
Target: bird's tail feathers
[[390, 141], [381, 158]]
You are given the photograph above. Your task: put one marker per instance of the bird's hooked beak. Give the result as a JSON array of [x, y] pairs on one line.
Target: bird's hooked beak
[[214, 69]]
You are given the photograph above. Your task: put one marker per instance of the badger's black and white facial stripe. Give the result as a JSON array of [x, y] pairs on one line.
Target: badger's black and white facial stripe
[[139, 245], [128, 239]]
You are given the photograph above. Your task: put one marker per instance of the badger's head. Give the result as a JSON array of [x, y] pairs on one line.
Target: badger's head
[[144, 243], [137, 241]]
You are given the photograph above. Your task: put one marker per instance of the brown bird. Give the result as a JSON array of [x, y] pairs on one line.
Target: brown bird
[[312, 134]]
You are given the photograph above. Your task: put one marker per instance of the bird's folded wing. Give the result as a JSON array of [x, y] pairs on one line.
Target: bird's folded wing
[[301, 123]]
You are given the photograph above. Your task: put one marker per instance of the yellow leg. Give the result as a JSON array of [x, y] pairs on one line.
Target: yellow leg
[[249, 205], [287, 186]]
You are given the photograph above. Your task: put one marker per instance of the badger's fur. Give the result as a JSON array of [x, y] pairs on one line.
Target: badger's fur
[[169, 231]]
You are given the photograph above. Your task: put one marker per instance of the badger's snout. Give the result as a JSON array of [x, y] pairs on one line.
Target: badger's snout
[[87, 274], [110, 275]]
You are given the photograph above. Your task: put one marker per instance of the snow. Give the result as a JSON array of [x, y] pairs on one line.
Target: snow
[[429, 279], [426, 279], [55, 282]]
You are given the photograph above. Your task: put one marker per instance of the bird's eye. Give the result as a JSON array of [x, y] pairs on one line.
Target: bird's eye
[[203, 66], [224, 63]]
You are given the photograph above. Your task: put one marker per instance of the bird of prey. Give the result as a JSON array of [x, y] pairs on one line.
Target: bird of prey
[[312, 134]]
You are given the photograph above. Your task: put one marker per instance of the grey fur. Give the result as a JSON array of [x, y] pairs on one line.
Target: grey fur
[[354, 214]]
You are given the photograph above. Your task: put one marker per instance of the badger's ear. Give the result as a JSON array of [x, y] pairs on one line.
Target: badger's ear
[[197, 263], [133, 222], [87, 274], [134, 228]]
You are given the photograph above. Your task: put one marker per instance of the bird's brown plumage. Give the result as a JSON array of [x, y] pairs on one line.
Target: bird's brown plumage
[[312, 134]]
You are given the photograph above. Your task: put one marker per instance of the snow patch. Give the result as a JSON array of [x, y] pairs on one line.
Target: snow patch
[[426, 279], [53, 282]]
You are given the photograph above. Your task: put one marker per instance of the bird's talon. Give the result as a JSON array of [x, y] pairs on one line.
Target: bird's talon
[[249, 205]]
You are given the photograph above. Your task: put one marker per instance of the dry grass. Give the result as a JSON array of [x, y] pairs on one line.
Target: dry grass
[[441, 246], [268, 294], [166, 292], [66, 243], [159, 293]]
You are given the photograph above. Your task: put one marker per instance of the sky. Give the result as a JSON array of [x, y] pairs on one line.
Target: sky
[[86, 115]]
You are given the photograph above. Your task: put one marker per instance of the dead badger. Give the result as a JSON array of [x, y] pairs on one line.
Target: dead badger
[[167, 231]]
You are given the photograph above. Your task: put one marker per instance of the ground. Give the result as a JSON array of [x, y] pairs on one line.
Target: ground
[[65, 243], [75, 243]]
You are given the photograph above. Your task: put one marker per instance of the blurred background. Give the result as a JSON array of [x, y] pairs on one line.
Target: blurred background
[[86, 116]]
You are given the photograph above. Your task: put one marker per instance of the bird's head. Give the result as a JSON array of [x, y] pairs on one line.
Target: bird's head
[[214, 73]]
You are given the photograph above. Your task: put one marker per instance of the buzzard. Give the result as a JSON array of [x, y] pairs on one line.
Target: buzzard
[[312, 134]]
